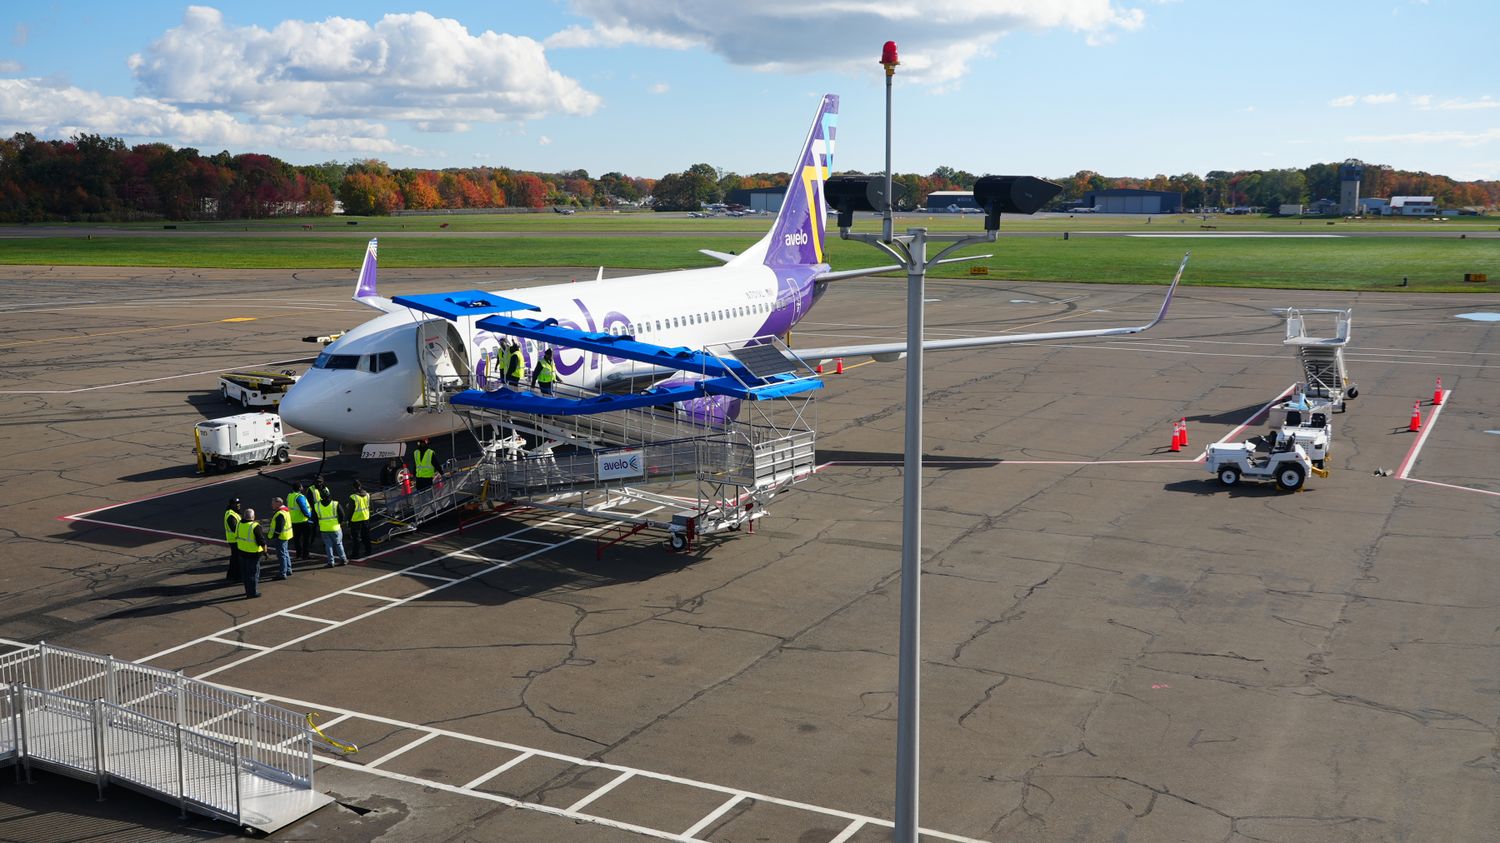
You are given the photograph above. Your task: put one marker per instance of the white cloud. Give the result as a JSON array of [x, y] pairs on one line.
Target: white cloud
[[10, 66], [938, 38], [543, 141], [1367, 99], [405, 67], [32, 105], [21, 35], [660, 88], [1456, 138], [1462, 104]]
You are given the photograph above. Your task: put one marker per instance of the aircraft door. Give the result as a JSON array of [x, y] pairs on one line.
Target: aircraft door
[[444, 358]]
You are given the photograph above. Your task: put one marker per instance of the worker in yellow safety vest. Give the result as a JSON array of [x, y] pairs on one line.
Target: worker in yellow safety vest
[[300, 510], [329, 515], [515, 365], [252, 543], [545, 374], [425, 459], [494, 368], [359, 521], [231, 538], [281, 535]]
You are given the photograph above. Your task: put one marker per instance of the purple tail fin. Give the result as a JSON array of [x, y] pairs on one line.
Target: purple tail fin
[[366, 285], [797, 237]]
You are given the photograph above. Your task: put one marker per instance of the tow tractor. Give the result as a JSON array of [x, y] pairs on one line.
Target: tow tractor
[[1282, 461], [256, 388], [1305, 421]]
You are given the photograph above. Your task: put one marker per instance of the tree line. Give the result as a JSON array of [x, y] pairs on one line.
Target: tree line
[[94, 178]]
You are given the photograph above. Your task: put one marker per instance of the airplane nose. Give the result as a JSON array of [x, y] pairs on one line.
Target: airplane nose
[[312, 404]]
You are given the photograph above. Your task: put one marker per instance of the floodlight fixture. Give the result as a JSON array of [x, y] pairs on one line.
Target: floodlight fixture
[[1011, 195], [847, 194]]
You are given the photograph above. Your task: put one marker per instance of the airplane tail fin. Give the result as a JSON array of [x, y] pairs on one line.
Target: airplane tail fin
[[797, 238], [366, 285]]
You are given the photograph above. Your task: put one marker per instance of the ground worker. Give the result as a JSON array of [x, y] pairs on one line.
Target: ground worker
[[231, 538], [515, 365], [359, 522], [301, 516], [329, 515], [425, 459], [388, 473], [281, 535], [252, 543], [545, 374]]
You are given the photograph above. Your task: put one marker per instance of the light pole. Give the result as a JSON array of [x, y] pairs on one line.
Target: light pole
[[847, 194]]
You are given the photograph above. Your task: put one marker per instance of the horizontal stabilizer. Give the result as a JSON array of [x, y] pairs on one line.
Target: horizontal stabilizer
[[876, 270], [721, 257], [896, 350]]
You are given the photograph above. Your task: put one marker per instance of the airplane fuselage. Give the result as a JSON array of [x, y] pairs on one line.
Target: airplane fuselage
[[368, 386]]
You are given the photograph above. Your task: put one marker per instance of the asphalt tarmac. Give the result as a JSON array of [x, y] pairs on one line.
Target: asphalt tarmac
[[1115, 647]]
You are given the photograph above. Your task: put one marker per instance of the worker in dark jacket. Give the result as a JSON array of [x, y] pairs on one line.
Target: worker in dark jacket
[[252, 544], [231, 537]]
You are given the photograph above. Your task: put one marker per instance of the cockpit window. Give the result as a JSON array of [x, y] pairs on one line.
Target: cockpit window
[[336, 361], [382, 361]]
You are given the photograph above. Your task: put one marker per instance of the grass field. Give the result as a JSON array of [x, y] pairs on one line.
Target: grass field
[[1432, 263]]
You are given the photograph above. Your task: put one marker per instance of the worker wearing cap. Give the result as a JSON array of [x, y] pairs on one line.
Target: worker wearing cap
[[494, 368], [359, 521], [425, 459], [281, 535], [329, 514], [300, 512], [231, 538], [252, 543], [545, 374]]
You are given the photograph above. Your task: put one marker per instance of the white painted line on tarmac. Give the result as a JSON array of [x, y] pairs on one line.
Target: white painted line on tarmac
[[1452, 486], [724, 809], [614, 783], [498, 770], [389, 755], [351, 592], [848, 832], [306, 618], [147, 380], [245, 644]]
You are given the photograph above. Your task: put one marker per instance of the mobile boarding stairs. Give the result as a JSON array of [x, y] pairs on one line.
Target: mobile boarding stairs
[[1322, 358], [204, 748], [620, 442]]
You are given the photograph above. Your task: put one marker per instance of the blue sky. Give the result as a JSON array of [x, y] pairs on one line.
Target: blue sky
[[647, 87]]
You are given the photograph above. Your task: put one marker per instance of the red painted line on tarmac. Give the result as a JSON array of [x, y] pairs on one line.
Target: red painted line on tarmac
[[1416, 447]]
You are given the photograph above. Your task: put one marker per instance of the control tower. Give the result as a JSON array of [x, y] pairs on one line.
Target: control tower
[[1349, 176]]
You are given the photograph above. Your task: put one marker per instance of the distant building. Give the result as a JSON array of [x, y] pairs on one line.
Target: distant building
[[758, 198], [1291, 211], [1124, 200], [1372, 207], [1413, 206], [960, 200]]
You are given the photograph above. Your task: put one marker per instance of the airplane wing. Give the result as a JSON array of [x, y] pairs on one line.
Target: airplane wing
[[886, 352], [876, 270]]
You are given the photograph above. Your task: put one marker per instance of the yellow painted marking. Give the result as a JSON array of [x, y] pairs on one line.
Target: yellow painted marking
[[140, 330]]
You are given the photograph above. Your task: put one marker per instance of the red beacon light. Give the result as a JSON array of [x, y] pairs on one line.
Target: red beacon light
[[888, 56]]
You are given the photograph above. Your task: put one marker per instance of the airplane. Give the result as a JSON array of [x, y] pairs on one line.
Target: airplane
[[373, 384]]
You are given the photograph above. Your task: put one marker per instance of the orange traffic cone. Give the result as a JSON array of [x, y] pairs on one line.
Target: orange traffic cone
[[838, 366], [1176, 437], [1437, 393], [1182, 432], [1416, 417], [818, 369]]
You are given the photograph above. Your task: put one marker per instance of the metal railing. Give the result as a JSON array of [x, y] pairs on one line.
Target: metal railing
[[100, 718]]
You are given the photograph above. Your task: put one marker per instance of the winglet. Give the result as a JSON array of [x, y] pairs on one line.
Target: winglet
[[366, 285], [1167, 302]]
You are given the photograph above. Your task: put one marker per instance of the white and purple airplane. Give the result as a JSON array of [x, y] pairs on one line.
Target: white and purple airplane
[[364, 387]]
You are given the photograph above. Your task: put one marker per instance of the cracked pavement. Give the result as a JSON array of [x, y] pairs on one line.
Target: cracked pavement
[[1111, 652]]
